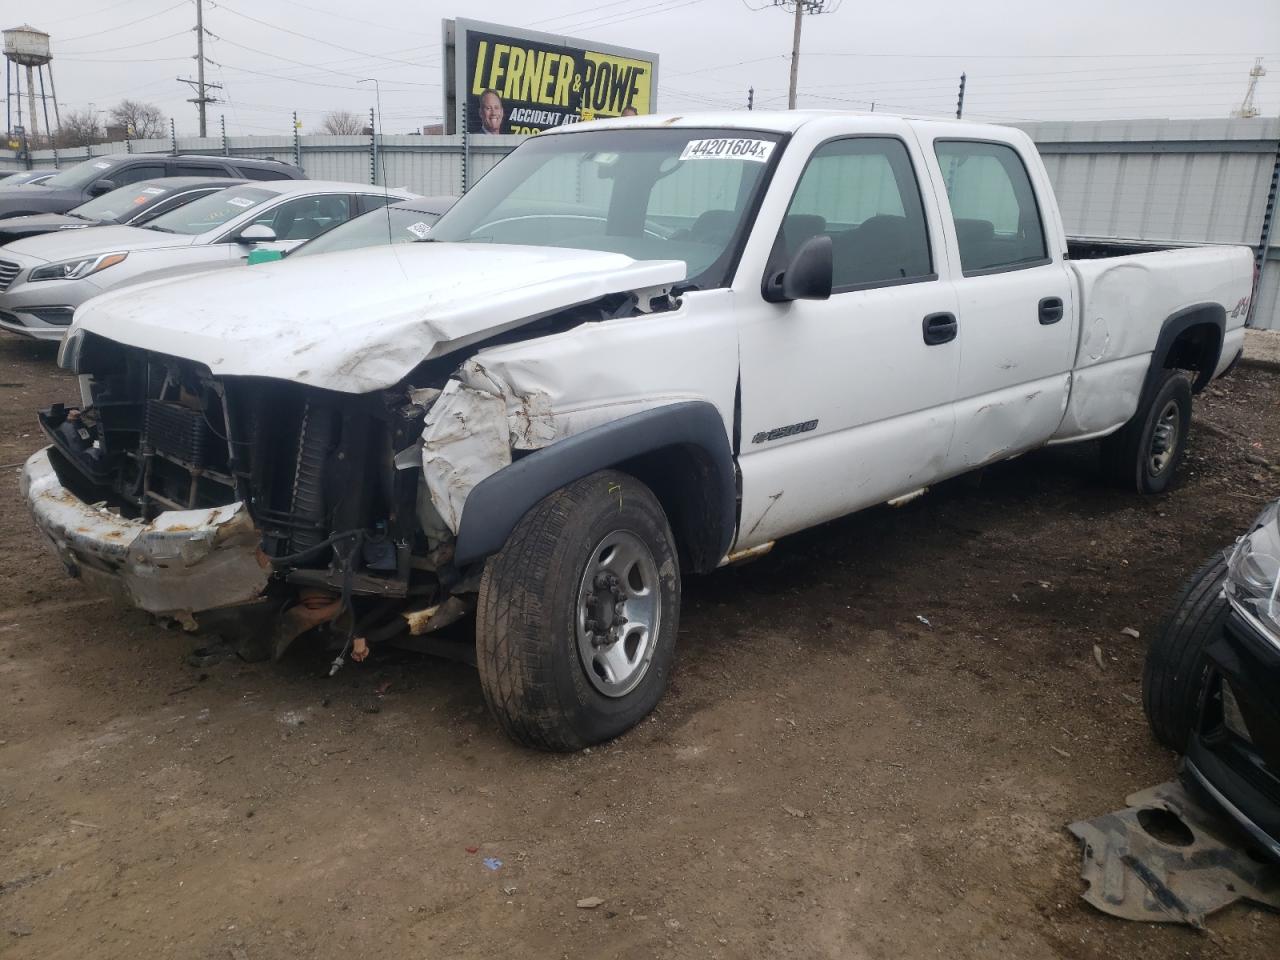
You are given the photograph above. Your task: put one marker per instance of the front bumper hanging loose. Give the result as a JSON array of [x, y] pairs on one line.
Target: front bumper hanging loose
[[180, 563]]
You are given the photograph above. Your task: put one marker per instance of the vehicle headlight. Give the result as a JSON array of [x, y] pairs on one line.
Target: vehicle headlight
[[1253, 572], [76, 269]]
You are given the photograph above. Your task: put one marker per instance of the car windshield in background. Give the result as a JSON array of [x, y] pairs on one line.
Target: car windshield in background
[[371, 229], [670, 194], [119, 204], [82, 174], [211, 212], [25, 179]]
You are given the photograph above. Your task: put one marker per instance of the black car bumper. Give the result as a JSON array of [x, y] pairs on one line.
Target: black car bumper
[[1234, 750]]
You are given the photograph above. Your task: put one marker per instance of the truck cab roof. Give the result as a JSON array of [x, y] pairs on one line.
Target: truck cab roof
[[791, 121]]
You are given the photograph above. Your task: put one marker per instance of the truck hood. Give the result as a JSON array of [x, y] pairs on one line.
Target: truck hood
[[69, 244], [359, 320]]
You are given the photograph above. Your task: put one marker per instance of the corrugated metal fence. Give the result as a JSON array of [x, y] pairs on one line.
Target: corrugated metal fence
[[1179, 181], [1176, 181]]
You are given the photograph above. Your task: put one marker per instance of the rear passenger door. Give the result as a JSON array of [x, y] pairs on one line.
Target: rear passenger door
[[1016, 312], [846, 402]]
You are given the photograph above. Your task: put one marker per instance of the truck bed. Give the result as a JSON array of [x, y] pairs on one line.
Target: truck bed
[[1125, 292], [1100, 248]]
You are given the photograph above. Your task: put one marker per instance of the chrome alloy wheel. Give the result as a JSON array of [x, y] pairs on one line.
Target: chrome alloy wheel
[[619, 613], [1164, 439]]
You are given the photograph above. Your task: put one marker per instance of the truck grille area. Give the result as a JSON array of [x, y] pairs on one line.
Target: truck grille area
[[181, 432], [162, 433]]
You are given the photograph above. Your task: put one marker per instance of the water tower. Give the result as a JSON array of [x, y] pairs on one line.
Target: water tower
[[25, 46]]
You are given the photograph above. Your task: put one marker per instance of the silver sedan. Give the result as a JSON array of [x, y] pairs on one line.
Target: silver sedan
[[43, 279]]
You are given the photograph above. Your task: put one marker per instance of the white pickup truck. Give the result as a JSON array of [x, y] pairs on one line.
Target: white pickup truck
[[637, 348]]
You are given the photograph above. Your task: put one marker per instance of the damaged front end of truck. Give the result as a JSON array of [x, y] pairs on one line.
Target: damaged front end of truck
[[217, 494]]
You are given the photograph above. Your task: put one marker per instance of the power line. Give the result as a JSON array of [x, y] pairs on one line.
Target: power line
[[121, 26], [295, 33], [1025, 56], [131, 46], [89, 16], [364, 23]]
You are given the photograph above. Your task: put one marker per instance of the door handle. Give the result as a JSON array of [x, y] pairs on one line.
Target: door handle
[[1050, 310], [940, 328]]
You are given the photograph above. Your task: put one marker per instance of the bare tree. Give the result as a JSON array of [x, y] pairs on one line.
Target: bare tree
[[79, 128], [343, 123], [142, 121]]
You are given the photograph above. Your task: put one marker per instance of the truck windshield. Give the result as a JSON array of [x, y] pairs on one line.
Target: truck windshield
[[669, 194]]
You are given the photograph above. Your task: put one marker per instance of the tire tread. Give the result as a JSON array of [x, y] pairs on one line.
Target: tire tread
[[1175, 664]]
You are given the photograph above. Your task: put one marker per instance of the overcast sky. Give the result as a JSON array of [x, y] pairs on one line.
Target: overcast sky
[[1082, 59]]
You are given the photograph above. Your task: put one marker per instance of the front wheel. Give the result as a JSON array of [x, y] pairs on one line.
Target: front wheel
[[577, 615], [1145, 453]]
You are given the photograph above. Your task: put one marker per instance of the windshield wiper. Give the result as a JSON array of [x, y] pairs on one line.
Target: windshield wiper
[[148, 226]]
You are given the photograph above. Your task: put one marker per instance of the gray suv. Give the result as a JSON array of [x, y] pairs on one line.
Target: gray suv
[[98, 175]]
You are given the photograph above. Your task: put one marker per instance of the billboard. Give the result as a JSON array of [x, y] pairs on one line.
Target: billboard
[[506, 80]]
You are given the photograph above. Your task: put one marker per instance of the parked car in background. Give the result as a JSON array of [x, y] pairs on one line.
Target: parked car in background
[[723, 329], [98, 175], [43, 279], [1211, 685], [135, 204], [28, 176], [405, 222]]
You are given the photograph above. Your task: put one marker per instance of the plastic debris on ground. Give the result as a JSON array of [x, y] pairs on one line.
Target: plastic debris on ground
[[1167, 859]]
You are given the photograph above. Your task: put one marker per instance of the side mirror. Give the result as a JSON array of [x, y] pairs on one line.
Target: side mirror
[[99, 187], [256, 233], [807, 277]]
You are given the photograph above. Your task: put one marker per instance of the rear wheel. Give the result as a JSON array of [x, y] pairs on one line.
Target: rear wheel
[[1146, 452], [1175, 667], [577, 615]]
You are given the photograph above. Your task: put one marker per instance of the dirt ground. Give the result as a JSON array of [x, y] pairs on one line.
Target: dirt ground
[[829, 775]]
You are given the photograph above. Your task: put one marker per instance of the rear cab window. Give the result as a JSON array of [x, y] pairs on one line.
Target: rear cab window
[[998, 222]]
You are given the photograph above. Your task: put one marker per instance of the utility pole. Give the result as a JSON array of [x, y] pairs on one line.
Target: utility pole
[[800, 8], [200, 63], [201, 88], [960, 99], [795, 56]]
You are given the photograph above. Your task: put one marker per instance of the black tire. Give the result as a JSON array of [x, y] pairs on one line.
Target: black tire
[[1127, 455], [527, 619], [1175, 667]]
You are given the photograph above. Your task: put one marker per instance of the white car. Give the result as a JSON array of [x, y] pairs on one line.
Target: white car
[[635, 349], [44, 279]]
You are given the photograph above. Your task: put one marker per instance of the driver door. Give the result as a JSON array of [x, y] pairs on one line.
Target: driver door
[[847, 402]]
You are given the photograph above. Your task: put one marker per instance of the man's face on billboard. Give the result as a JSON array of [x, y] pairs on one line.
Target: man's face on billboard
[[491, 113]]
